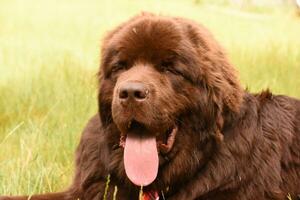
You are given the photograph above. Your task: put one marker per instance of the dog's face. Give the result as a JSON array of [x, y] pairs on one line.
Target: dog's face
[[164, 84]]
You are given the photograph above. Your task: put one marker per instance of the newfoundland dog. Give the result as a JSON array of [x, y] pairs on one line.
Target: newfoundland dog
[[174, 123]]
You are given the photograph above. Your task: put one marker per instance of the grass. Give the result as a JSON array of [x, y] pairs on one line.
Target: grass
[[49, 55]]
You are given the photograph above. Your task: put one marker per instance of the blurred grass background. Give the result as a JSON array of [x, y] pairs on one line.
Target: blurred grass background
[[49, 55]]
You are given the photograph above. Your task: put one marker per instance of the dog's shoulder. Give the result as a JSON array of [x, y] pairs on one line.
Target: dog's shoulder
[[279, 115], [93, 126], [92, 137], [277, 104]]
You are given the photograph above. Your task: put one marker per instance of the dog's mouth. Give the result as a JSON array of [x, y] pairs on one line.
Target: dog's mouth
[[164, 141], [141, 149]]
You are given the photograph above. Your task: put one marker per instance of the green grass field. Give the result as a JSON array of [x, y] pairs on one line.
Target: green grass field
[[49, 56]]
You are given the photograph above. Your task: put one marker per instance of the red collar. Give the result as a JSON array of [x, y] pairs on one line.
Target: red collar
[[150, 195]]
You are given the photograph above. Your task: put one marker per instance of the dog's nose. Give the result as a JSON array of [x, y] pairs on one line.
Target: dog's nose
[[133, 91]]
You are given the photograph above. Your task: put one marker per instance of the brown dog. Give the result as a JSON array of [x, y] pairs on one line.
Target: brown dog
[[174, 119]]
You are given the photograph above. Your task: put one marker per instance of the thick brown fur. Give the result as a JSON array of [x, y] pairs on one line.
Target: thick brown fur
[[230, 144]]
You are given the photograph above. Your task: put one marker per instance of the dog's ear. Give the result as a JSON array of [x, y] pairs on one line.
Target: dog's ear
[[105, 89], [216, 73], [214, 66]]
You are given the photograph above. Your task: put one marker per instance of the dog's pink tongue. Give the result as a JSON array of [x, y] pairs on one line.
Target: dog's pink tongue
[[141, 159]]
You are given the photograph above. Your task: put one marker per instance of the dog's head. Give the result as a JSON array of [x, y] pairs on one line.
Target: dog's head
[[165, 84]]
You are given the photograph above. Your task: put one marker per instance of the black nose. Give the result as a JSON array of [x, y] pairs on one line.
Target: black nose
[[133, 91]]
